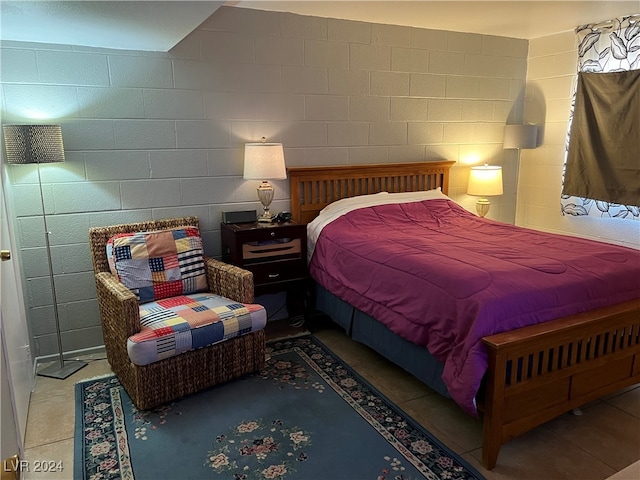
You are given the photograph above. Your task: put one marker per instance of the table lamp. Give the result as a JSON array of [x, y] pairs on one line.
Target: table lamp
[[484, 181], [264, 161]]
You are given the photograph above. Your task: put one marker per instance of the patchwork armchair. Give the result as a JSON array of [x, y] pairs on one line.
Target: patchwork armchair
[[174, 321]]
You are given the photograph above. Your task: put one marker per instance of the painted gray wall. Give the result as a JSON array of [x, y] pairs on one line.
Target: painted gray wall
[[155, 135]]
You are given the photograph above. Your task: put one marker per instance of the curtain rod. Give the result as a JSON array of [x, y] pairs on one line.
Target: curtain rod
[[610, 23]]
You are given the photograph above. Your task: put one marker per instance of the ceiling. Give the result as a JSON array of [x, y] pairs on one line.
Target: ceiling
[[129, 25], [516, 19], [159, 25]]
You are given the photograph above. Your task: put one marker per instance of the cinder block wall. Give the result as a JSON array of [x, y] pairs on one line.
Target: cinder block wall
[[154, 135]]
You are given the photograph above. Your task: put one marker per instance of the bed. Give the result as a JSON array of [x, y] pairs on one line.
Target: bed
[[529, 374]]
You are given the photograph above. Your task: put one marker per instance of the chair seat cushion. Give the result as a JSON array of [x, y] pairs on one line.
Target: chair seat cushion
[[175, 325], [159, 264]]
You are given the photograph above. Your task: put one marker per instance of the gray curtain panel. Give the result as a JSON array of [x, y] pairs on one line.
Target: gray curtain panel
[[603, 161]]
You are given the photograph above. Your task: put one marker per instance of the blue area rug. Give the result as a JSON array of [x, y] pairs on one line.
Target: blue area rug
[[305, 416]]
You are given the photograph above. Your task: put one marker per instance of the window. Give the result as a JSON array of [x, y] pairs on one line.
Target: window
[[613, 49]]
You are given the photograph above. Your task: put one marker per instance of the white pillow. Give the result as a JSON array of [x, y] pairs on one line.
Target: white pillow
[[353, 202], [347, 204], [417, 196]]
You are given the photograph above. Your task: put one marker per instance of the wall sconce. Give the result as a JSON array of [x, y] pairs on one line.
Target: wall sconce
[[484, 181], [520, 136], [264, 161], [38, 144]]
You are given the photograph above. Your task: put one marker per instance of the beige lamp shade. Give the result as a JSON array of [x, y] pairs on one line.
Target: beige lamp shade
[[485, 181], [264, 161]]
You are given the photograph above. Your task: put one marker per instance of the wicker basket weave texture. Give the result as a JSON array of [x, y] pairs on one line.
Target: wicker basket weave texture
[[169, 379]]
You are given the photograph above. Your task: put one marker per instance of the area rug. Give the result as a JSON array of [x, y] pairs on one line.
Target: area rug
[[305, 416]]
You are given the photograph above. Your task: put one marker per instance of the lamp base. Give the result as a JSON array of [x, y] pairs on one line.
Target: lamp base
[[266, 218], [265, 195], [69, 368], [482, 207]]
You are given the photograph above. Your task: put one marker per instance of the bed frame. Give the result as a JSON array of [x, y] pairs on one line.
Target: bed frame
[[535, 373]]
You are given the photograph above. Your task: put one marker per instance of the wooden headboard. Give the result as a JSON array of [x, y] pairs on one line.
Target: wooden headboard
[[313, 188]]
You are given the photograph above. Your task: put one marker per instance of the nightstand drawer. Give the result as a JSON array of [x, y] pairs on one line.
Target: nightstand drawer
[[275, 253], [281, 271], [271, 250]]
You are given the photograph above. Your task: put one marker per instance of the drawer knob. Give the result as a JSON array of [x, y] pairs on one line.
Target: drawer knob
[[274, 275], [273, 234]]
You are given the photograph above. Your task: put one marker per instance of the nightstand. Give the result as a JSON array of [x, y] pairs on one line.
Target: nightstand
[[276, 253]]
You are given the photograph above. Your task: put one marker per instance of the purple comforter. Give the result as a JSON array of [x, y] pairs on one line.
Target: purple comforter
[[441, 277]]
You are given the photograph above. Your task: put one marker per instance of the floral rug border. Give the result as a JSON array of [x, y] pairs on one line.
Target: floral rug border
[[414, 443], [108, 449]]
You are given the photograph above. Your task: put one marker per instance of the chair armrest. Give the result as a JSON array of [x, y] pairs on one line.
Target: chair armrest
[[229, 280], [119, 308]]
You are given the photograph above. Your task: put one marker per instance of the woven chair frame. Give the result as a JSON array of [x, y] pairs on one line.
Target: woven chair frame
[[172, 378]]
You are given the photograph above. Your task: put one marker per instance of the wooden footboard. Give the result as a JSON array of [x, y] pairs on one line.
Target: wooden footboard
[[540, 372]]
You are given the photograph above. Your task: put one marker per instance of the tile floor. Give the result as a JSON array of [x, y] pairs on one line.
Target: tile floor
[[596, 445]]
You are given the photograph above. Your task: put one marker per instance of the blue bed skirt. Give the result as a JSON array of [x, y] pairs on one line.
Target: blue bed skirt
[[365, 329]]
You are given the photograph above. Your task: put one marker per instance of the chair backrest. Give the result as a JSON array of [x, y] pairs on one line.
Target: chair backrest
[[99, 236]]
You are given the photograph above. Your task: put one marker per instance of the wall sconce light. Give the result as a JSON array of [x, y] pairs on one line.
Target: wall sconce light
[[520, 136], [484, 181], [264, 161], [27, 144]]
